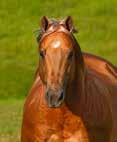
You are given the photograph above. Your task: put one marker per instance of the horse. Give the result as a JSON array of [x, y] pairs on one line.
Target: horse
[[74, 94]]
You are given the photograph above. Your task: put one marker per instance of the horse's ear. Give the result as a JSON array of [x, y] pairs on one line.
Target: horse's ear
[[69, 25], [44, 23]]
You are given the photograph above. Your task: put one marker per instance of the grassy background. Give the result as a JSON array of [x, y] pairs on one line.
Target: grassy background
[[10, 120], [95, 20]]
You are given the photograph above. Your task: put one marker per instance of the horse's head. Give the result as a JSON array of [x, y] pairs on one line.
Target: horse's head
[[56, 47]]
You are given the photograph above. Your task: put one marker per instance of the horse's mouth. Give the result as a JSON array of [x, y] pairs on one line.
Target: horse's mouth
[[55, 100], [58, 103]]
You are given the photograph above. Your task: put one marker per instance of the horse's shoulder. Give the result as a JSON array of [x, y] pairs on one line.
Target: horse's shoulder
[[36, 85], [96, 85], [98, 101], [36, 90]]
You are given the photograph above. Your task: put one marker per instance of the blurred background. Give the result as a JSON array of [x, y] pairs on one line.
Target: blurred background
[[96, 21]]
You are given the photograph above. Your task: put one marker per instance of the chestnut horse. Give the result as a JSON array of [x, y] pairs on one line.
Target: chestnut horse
[[74, 95]]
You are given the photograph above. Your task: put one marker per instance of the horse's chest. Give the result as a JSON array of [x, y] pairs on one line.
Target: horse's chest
[[61, 127]]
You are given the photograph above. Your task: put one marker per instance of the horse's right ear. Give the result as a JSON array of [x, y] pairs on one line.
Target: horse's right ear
[[69, 25], [44, 23]]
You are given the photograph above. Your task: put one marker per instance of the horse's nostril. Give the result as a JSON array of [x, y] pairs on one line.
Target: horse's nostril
[[61, 97], [54, 99], [47, 94]]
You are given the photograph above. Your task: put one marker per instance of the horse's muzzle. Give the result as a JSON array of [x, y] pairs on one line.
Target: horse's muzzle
[[55, 98]]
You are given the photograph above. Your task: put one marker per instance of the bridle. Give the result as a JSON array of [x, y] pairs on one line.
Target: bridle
[[58, 27]]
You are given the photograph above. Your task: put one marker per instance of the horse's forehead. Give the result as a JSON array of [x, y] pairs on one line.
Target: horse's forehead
[[57, 41]]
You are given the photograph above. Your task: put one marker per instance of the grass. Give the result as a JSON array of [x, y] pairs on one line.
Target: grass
[[95, 20], [10, 120]]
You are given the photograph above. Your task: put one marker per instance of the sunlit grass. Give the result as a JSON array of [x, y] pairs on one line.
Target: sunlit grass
[[10, 120]]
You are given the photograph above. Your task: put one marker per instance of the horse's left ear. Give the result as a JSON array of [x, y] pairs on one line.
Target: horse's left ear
[[44, 23], [69, 25]]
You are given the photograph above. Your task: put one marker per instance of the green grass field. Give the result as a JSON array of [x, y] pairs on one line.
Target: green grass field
[[97, 25], [10, 120]]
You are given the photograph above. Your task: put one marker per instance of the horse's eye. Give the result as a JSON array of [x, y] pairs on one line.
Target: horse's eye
[[42, 53], [70, 55]]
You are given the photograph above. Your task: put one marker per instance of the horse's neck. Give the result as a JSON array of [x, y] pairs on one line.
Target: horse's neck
[[79, 73], [75, 91]]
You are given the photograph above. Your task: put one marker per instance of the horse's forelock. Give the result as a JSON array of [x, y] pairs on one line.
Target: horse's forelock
[[53, 25]]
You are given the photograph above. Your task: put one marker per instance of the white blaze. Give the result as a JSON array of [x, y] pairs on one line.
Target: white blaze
[[56, 44]]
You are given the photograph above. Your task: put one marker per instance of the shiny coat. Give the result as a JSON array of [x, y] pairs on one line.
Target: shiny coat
[[88, 113]]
